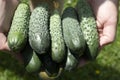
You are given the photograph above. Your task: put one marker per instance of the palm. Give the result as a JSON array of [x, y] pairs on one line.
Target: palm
[[106, 18]]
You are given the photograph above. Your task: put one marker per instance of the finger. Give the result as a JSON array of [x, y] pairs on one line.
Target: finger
[[3, 42], [99, 28], [5, 48]]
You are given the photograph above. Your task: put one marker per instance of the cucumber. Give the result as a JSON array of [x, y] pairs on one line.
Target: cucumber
[[31, 60], [34, 64], [72, 32], [88, 26], [17, 35], [50, 66], [71, 62], [57, 41], [39, 36]]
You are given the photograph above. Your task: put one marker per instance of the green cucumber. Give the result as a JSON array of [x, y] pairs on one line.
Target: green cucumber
[[34, 64], [57, 41], [88, 26], [72, 32], [17, 35], [50, 66], [71, 62], [39, 36], [31, 60]]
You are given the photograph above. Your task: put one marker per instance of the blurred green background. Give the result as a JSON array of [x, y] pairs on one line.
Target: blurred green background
[[105, 67]]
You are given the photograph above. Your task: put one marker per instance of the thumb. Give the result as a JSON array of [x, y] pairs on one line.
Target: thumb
[[3, 43], [104, 40]]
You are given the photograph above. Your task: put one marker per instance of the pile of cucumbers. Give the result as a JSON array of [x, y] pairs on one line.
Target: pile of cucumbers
[[52, 41]]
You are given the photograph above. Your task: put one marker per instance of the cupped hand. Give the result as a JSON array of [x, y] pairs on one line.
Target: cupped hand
[[7, 8], [106, 13]]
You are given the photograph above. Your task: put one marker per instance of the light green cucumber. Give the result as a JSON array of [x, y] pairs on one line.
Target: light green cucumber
[[17, 35], [57, 41], [39, 36]]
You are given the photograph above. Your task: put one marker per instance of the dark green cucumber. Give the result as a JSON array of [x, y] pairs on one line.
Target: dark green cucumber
[[72, 32], [57, 41], [17, 35], [71, 62], [50, 67], [39, 36], [88, 26], [31, 60]]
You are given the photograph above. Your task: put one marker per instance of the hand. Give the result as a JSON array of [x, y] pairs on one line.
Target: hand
[[7, 8], [106, 13]]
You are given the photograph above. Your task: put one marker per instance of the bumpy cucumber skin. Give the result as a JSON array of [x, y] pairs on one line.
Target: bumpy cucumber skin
[[72, 32], [17, 35], [57, 41], [88, 26], [39, 36]]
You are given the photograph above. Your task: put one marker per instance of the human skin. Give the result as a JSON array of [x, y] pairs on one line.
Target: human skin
[[106, 13], [7, 8]]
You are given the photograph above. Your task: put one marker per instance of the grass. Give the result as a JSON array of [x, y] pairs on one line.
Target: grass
[[105, 67]]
